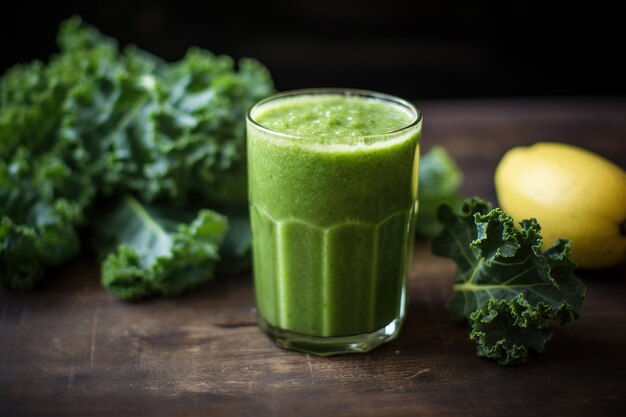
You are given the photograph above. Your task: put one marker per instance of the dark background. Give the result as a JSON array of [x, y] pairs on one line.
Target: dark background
[[418, 50]]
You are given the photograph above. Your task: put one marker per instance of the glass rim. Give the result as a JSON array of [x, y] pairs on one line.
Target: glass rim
[[348, 92]]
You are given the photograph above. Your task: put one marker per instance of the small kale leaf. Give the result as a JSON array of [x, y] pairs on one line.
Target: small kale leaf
[[152, 250], [439, 182]]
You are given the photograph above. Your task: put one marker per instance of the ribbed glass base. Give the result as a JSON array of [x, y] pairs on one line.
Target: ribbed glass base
[[328, 346]]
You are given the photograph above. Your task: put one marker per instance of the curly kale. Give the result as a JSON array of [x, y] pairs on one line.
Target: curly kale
[[511, 291], [151, 250], [97, 122]]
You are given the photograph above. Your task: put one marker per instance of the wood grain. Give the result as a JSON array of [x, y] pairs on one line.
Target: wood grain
[[71, 348]]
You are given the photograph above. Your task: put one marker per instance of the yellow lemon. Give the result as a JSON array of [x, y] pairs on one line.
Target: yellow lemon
[[573, 193]]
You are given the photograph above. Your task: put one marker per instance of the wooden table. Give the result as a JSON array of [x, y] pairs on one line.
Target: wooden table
[[71, 348]]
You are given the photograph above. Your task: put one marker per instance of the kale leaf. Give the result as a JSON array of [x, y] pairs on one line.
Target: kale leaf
[[439, 182], [153, 250], [512, 292]]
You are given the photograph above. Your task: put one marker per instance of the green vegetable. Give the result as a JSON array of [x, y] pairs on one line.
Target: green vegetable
[[439, 182], [512, 292], [98, 122], [155, 250], [41, 205], [170, 132]]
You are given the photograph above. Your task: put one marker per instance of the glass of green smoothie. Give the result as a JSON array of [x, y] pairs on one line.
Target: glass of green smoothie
[[333, 197]]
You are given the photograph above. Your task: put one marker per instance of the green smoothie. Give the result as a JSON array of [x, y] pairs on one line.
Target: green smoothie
[[333, 197]]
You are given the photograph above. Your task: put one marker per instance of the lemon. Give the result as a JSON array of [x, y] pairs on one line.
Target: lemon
[[573, 193]]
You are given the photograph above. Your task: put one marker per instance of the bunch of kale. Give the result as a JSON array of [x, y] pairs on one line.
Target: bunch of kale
[[133, 149]]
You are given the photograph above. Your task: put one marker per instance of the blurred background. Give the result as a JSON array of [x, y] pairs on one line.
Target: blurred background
[[415, 49]]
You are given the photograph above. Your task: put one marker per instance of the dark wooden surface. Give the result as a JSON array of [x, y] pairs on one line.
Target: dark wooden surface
[[71, 348]]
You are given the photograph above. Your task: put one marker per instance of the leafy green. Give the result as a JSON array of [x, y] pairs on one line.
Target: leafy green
[[169, 132], [439, 182], [97, 122], [153, 250], [41, 206], [512, 292]]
